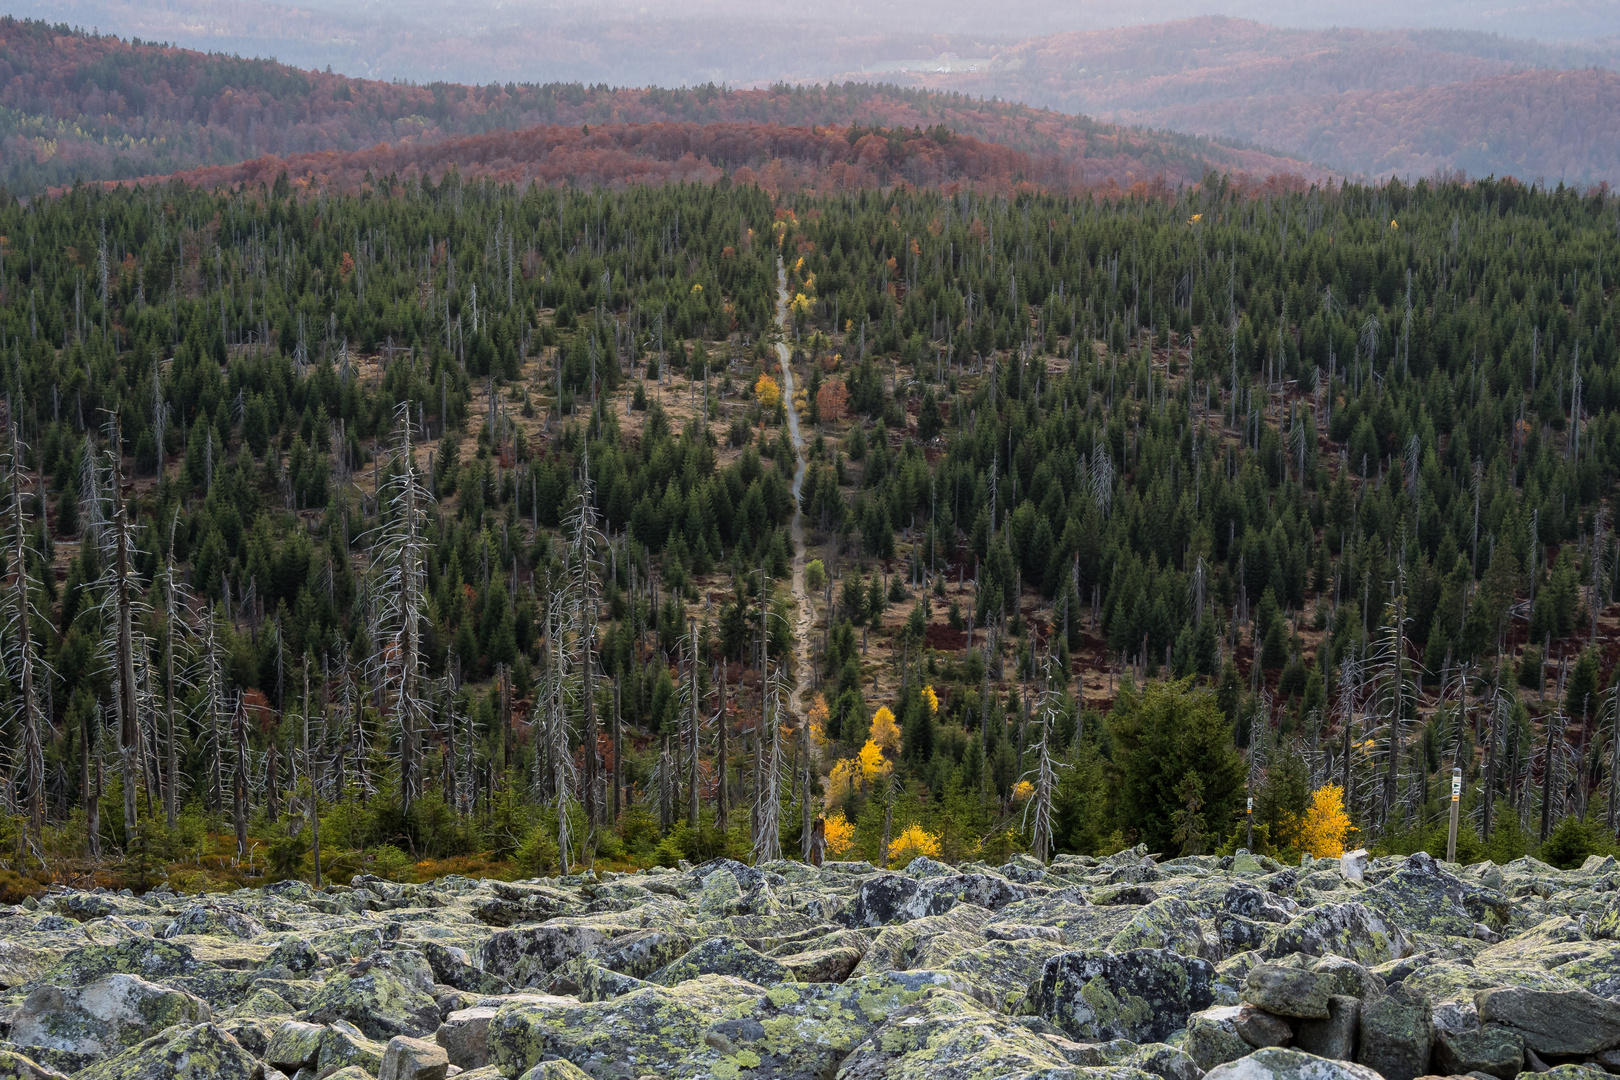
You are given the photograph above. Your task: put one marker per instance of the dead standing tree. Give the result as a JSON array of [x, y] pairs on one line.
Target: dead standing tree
[[586, 588], [402, 565], [23, 664]]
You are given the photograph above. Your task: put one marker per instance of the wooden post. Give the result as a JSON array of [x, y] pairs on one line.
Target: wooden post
[[1456, 803]]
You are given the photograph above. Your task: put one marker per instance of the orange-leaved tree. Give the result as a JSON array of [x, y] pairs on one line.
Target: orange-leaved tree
[[831, 401]]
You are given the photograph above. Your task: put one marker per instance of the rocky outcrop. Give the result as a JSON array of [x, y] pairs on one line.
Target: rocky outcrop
[[1125, 968]]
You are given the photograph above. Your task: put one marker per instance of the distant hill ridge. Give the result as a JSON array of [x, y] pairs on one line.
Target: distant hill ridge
[[1408, 102], [96, 107]]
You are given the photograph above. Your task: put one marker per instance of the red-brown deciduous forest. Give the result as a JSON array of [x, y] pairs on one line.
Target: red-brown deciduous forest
[[81, 106]]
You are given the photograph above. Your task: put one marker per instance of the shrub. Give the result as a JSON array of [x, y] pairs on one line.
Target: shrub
[[538, 853], [391, 863]]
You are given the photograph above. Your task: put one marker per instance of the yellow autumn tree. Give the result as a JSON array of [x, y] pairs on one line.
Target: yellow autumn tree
[[1326, 824], [843, 780], [1022, 791], [913, 841], [818, 721], [767, 393], [885, 732], [930, 698], [840, 833], [874, 766]]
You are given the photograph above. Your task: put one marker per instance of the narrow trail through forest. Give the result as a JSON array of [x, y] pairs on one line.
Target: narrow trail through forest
[[801, 599]]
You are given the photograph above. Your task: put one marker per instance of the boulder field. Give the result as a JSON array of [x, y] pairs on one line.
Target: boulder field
[[1122, 968]]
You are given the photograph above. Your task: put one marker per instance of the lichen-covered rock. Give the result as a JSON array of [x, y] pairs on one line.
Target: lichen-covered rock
[[295, 1045], [1142, 995], [880, 901], [948, 1037], [895, 948], [1351, 930], [1164, 1061], [1277, 1063], [524, 956], [20, 963], [1167, 923], [590, 981], [203, 1052], [1571, 1072], [1553, 1022], [546, 1070], [1424, 898], [514, 903], [1248, 900], [104, 1017], [343, 1045], [213, 921], [1237, 934], [1288, 991], [453, 965], [1332, 1036], [1396, 1034], [465, 1036], [822, 965], [263, 1002], [1001, 971], [1494, 1050], [1211, 1037], [891, 898], [723, 956], [713, 1025], [406, 1058], [1597, 971], [799, 965], [16, 1066], [149, 958], [383, 997], [1260, 1029], [1347, 977]]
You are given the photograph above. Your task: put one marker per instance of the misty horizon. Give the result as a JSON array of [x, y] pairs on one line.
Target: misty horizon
[[631, 44]]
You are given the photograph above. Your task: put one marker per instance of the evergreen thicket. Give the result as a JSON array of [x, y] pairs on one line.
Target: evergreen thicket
[[452, 521]]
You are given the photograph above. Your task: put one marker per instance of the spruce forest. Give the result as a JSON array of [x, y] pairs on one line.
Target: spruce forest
[[439, 526]]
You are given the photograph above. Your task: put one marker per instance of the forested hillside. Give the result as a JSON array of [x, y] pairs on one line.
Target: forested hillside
[[75, 106], [778, 157], [459, 520]]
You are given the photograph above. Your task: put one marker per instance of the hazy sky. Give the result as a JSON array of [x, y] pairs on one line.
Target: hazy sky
[[657, 42]]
